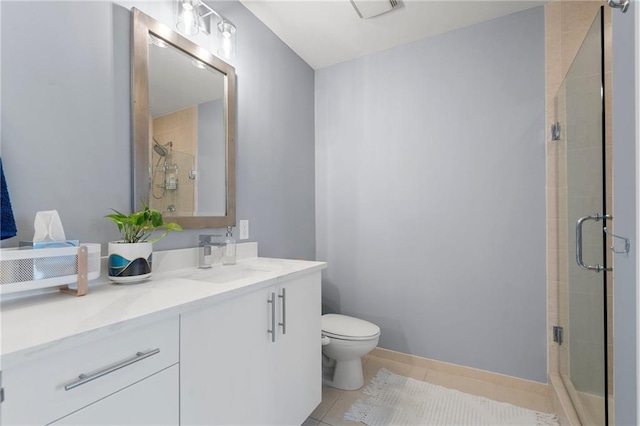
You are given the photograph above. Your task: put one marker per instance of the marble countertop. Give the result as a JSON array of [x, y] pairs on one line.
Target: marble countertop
[[54, 321]]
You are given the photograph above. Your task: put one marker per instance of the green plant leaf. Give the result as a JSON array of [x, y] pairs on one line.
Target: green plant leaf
[[139, 226]]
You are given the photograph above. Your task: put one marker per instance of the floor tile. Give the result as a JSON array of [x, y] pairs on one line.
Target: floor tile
[[329, 397], [311, 422], [335, 416]]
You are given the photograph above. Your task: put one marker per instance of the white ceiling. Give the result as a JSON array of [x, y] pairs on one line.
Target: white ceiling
[[327, 32]]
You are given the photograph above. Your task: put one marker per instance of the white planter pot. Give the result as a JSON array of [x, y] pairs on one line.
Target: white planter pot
[[129, 262]]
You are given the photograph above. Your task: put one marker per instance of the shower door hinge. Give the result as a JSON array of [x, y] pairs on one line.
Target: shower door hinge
[[557, 334], [555, 132]]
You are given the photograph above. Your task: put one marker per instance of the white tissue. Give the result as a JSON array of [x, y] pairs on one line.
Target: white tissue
[[48, 227]]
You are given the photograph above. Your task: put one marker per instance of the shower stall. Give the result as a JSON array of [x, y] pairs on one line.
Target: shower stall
[[585, 296], [173, 148]]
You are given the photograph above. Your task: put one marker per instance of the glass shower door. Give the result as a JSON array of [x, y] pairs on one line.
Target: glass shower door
[[582, 289]]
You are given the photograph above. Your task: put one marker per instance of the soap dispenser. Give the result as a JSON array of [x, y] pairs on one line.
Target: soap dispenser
[[229, 256]]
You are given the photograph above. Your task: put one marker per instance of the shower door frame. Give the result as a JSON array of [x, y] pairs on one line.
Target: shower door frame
[[604, 211]]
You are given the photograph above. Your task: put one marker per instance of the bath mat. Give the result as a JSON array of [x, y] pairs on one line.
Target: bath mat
[[399, 400]]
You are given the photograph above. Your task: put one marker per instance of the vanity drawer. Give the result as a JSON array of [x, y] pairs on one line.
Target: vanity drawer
[[45, 389]]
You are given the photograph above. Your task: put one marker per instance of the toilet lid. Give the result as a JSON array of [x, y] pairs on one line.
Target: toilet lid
[[345, 326]]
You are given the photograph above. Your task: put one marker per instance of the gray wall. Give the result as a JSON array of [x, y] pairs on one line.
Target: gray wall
[[66, 141], [625, 116], [430, 187], [65, 115]]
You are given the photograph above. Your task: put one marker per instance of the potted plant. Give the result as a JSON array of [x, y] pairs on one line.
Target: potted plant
[[130, 259]]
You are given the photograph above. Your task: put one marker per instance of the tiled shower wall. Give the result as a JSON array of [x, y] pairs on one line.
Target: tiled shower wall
[[566, 25], [181, 129]]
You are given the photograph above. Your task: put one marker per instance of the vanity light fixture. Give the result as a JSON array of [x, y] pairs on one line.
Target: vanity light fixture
[[187, 16], [191, 17], [226, 39]]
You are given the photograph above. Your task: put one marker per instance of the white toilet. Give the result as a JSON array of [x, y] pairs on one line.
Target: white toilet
[[345, 340]]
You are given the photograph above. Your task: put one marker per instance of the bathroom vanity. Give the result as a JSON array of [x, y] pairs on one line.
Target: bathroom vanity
[[229, 345]]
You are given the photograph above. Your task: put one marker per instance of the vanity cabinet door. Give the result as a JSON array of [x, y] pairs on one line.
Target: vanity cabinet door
[[152, 401], [297, 384], [224, 367], [233, 371]]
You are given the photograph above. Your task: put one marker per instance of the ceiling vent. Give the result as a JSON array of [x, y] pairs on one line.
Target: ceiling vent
[[370, 8]]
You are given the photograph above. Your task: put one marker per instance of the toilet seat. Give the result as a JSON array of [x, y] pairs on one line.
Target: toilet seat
[[344, 327], [349, 338]]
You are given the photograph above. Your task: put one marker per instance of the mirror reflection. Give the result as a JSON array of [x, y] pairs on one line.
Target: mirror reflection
[[187, 134], [184, 126]]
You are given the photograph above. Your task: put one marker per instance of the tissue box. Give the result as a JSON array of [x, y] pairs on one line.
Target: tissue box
[[48, 244]]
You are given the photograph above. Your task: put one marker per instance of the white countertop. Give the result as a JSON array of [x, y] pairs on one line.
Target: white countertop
[[53, 320]]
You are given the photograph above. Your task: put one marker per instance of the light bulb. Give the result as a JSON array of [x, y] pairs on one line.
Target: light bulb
[[187, 18], [226, 48], [226, 39]]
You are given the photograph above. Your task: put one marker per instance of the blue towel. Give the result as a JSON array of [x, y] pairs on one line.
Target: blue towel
[[7, 222]]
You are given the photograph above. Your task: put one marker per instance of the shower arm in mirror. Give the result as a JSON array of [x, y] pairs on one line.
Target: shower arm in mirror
[[145, 27], [622, 5]]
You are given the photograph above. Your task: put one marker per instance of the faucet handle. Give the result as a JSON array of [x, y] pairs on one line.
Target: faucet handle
[[206, 238]]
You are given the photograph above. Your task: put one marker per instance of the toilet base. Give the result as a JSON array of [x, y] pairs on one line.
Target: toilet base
[[347, 375]]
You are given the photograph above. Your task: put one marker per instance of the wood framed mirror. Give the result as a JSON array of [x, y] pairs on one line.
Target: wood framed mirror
[[183, 102]]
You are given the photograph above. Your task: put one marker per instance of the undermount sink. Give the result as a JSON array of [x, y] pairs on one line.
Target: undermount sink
[[220, 274]]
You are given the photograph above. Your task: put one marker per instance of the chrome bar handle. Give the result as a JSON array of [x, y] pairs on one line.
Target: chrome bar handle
[[83, 378], [579, 241], [283, 297], [596, 217], [272, 301]]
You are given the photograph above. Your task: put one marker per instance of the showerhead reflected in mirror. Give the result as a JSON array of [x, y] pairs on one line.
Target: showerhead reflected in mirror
[[159, 149], [184, 126]]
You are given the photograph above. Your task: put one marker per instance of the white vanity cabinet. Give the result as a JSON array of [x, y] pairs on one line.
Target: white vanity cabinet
[[98, 374], [190, 347], [296, 355], [150, 402], [253, 359]]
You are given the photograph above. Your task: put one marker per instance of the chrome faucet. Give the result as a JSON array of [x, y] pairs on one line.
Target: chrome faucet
[[209, 251]]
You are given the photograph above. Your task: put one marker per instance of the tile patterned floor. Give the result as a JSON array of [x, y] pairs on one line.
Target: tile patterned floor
[[335, 402]]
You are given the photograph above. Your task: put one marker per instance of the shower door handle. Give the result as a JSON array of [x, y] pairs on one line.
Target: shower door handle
[[596, 217]]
